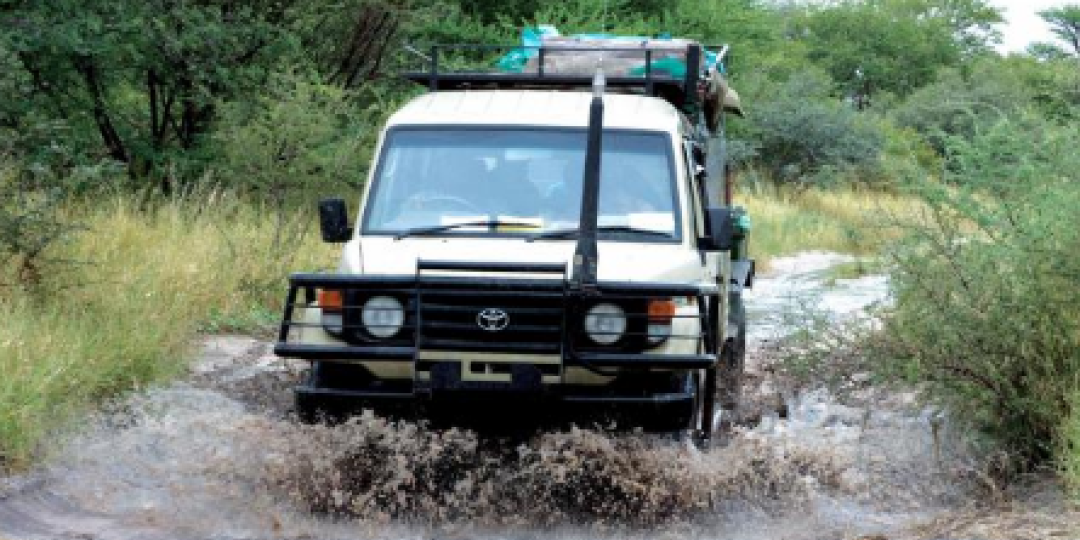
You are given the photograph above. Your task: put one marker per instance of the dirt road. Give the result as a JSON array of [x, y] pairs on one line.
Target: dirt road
[[217, 456]]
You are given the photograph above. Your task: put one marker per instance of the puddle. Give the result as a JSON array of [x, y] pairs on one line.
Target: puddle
[[216, 456], [805, 282]]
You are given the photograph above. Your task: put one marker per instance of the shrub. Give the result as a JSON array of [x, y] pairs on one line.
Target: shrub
[[800, 131], [958, 103], [301, 138], [986, 305], [31, 228]]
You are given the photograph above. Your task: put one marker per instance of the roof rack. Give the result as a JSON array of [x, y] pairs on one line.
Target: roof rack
[[680, 91]]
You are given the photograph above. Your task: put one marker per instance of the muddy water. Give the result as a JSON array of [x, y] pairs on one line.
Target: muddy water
[[215, 456], [803, 284]]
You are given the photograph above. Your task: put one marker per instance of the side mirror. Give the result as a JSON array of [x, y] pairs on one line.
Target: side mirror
[[719, 229], [334, 221]]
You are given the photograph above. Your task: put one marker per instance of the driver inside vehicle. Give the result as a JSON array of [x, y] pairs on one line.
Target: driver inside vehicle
[[458, 188], [623, 191], [467, 185]]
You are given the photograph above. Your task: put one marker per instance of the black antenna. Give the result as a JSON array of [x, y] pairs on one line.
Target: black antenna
[[585, 256]]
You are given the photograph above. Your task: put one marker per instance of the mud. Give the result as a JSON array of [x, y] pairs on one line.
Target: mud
[[218, 456]]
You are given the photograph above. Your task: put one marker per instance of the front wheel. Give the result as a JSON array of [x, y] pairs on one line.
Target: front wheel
[[705, 426], [732, 364]]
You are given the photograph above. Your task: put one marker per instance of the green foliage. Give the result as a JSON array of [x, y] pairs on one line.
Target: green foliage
[[1054, 85], [143, 76], [802, 137], [956, 105], [1064, 22], [906, 156], [1047, 52], [752, 32], [1069, 447], [448, 22], [985, 314], [31, 228], [894, 46], [301, 137]]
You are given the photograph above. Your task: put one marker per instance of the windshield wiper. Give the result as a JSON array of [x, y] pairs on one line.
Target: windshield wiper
[[490, 223], [570, 233]]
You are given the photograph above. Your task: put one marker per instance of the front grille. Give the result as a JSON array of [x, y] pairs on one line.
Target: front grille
[[473, 320]]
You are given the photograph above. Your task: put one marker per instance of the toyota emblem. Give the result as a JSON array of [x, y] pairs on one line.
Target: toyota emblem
[[492, 319]]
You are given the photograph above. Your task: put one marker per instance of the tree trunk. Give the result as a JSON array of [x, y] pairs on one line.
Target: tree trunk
[[114, 145]]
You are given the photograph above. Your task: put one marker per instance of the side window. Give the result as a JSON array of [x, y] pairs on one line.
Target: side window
[[697, 195], [716, 183]]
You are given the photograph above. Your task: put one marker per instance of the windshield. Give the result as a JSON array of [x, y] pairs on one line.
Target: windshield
[[520, 182]]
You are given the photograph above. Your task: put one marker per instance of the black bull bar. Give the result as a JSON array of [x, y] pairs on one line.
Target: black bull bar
[[423, 296]]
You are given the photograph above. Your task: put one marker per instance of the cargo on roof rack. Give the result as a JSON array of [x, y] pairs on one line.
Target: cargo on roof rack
[[652, 67]]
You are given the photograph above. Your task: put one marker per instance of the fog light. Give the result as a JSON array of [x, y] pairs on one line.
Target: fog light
[[605, 323], [383, 316]]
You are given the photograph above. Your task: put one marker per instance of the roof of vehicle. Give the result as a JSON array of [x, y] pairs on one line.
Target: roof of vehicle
[[544, 108]]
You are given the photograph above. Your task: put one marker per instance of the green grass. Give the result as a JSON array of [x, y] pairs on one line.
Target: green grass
[[846, 221], [150, 283]]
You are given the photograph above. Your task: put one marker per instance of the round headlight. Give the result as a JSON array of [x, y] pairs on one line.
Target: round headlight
[[605, 323], [382, 316]]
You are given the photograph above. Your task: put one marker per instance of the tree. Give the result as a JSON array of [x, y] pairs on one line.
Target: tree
[[971, 22], [1047, 52], [145, 75], [894, 46], [1064, 22], [351, 41], [299, 134]]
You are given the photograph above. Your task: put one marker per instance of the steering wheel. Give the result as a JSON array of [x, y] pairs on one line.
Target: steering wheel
[[424, 200]]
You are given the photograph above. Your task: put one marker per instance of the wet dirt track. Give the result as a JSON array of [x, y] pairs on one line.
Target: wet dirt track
[[216, 456]]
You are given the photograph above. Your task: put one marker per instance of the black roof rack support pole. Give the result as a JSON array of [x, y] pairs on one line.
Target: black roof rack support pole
[[433, 75], [693, 70], [585, 261], [648, 73]]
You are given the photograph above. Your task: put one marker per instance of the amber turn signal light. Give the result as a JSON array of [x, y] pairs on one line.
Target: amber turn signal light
[[330, 300], [661, 311]]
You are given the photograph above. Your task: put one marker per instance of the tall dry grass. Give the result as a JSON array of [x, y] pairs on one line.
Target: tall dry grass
[[145, 283], [859, 222]]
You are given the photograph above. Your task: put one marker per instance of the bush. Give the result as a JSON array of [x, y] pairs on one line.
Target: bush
[[957, 104], [300, 139], [31, 229], [803, 135], [986, 305]]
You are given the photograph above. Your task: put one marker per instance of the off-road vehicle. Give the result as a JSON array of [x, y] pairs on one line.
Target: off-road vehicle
[[553, 240]]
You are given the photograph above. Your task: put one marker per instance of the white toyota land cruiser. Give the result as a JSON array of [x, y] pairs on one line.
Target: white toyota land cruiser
[[557, 243]]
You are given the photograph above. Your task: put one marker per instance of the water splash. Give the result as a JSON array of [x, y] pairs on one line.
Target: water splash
[[216, 456]]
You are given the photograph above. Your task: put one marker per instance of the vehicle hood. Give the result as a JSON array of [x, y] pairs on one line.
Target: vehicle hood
[[619, 261]]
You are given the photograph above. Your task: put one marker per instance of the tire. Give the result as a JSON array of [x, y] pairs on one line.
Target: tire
[[732, 363], [309, 409], [703, 427]]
